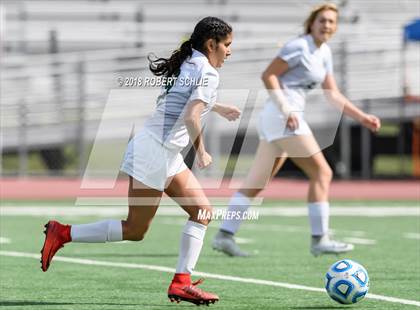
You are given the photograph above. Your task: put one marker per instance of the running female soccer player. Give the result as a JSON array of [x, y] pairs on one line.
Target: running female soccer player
[[154, 163], [301, 64]]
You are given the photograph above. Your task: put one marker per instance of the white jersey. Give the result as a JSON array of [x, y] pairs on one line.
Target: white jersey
[[197, 80], [308, 66]]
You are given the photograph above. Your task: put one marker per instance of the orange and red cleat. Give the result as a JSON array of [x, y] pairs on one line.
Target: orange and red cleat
[[181, 289], [56, 235]]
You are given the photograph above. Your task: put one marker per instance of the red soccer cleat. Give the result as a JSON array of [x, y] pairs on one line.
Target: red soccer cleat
[[187, 291], [56, 235]]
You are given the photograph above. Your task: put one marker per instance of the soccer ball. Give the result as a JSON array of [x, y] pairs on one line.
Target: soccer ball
[[347, 282]]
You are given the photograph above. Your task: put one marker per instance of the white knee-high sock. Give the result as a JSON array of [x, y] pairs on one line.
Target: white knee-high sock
[[103, 231], [239, 203], [190, 247], [319, 215]]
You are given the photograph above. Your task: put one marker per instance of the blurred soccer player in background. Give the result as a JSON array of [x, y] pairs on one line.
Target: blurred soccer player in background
[[301, 65]]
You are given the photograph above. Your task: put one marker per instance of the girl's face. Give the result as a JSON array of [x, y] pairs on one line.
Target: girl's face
[[324, 26], [218, 53]]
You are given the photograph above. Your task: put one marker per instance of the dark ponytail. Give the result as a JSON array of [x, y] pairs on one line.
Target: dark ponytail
[[207, 28], [170, 67]]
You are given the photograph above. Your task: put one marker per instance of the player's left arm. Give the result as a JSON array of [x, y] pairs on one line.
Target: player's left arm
[[192, 119], [335, 96], [230, 112]]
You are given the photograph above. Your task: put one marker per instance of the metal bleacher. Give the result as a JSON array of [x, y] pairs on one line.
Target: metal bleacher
[[61, 59]]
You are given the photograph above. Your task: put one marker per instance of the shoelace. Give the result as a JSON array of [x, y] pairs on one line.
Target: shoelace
[[194, 290]]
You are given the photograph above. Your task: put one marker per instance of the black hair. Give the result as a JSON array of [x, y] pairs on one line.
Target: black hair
[[207, 28]]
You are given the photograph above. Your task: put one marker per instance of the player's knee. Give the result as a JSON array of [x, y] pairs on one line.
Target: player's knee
[[328, 174], [325, 175]]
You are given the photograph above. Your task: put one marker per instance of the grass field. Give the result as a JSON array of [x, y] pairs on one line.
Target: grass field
[[119, 276]]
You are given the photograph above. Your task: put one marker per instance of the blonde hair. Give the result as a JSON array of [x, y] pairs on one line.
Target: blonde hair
[[312, 16]]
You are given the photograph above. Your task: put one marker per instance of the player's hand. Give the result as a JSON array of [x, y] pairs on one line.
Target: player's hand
[[230, 112], [371, 122], [203, 160], [292, 122]]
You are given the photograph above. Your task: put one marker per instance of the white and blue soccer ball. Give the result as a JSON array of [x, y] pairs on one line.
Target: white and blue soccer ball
[[347, 282]]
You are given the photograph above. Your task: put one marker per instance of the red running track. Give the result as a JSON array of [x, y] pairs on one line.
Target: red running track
[[288, 189]]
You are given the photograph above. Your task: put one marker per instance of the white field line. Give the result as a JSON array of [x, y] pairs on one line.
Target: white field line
[[273, 228], [243, 240], [415, 236], [4, 240], [353, 233], [360, 240], [177, 211], [201, 274], [355, 236]]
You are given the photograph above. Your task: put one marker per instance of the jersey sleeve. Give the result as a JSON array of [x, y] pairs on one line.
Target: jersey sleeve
[[292, 53], [329, 61], [206, 87]]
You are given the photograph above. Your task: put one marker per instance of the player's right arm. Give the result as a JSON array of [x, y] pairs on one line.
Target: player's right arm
[[277, 68], [192, 121]]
